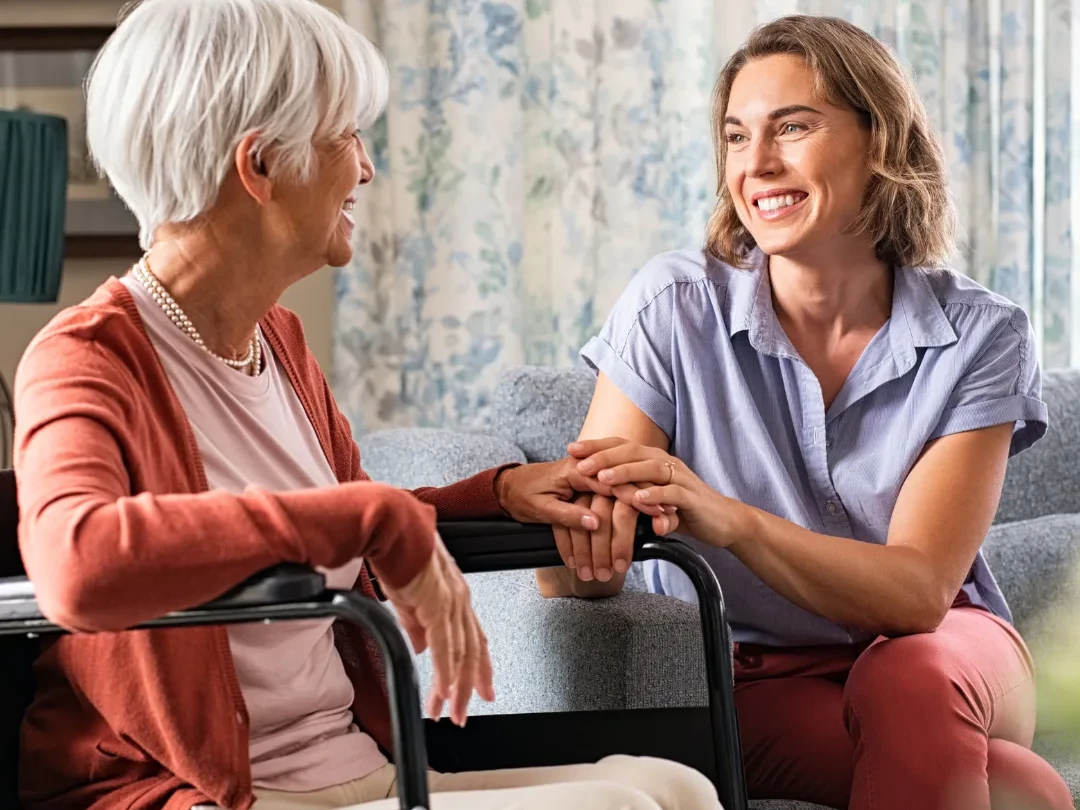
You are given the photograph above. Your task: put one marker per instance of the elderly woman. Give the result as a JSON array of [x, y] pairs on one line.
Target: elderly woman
[[175, 436], [827, 411]]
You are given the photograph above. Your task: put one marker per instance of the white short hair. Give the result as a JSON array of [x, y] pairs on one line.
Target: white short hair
[[180, 83]]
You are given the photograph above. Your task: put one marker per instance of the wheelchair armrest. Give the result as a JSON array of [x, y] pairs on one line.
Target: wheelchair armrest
[[286, 583], [474, 537], [506, 545]]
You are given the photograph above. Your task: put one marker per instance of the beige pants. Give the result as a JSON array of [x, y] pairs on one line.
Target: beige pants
[[613, 783]]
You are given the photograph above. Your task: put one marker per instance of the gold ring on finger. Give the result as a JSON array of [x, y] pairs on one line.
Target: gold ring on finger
[[671, 471]]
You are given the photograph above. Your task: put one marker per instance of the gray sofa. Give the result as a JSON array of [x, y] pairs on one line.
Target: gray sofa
[[640, 650]]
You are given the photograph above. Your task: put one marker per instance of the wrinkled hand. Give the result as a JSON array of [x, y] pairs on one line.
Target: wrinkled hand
[[436, 611], [648, 479], [546, 493]]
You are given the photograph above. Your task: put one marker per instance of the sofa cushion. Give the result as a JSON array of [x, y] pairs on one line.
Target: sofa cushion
[[542, 409], [431, 457], [1042, 480], [1033, 561], [631, 651]]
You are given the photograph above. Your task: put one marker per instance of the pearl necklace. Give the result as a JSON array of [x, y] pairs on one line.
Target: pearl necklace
[[251, 363]]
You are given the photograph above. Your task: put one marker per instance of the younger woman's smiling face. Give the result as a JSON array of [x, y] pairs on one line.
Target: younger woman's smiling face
[[796, 165]]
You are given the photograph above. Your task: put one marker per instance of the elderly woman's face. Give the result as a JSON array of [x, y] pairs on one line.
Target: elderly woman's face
[[796, 165], [320, 212]]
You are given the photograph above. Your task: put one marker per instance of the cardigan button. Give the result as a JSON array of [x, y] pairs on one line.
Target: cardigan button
[[239, 719]]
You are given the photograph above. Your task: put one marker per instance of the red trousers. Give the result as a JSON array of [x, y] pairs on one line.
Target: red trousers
[[936, 721]]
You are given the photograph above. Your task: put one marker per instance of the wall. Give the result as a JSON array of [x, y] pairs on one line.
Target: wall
[[312, 298]]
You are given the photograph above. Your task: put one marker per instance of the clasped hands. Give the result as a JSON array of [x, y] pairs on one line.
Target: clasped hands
[[618, 481]]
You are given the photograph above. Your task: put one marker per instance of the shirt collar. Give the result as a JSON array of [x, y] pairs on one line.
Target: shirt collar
[[917, 319], [916, 311]]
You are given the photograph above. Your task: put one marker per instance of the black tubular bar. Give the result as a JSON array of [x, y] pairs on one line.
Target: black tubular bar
[[483, 546], [19, 616], [410, 751], [716, 637]]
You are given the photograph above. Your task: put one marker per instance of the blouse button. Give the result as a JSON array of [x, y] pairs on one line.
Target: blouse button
[[832, 507]]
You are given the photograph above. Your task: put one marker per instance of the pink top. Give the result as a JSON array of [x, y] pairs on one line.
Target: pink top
[[254, 431]]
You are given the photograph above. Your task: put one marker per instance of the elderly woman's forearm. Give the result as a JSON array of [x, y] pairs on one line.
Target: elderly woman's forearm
[[100, 565], [470, 498], [102, 559], [884, 589]]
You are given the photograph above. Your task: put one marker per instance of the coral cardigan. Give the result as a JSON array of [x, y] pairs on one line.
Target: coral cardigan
[[118, 527]]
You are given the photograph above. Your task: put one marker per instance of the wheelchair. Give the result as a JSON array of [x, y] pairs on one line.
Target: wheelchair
[[291, 592]]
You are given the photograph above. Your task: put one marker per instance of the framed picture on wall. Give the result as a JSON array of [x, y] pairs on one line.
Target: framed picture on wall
[[42, 70]]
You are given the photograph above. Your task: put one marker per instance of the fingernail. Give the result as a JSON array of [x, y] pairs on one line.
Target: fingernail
[[642, 494], [570, 563], [621, 566], [590, 523], [585, 573], [586, 467], [664, 525], [605, 475], [603, 574]]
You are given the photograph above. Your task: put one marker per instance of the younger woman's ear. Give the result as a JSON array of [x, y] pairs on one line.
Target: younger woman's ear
[[251, 168]]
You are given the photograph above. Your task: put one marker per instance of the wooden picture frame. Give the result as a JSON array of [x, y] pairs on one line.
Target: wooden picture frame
[[42, 69]]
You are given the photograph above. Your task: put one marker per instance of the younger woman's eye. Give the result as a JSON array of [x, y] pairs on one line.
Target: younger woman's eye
[[735, 137]]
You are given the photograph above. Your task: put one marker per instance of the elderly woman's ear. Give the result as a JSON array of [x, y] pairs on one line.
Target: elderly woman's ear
[[251, 168]]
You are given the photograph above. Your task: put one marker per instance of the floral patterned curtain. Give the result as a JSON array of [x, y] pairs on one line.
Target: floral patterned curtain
[[536, 152]]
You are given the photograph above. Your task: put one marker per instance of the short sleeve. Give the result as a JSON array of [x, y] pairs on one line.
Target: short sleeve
[[1002, 384], [634, 346]]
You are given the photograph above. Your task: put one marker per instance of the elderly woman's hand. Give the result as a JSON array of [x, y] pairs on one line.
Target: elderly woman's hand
[[649, 479], [545, 493], [436, 612]]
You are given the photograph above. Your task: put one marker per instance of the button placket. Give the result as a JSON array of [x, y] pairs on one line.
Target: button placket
[[815, 454]]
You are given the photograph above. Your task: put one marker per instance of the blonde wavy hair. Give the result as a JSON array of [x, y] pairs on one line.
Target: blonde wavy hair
[[908, 210]]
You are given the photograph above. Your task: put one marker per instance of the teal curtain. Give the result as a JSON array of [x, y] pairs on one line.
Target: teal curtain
[[33, 196]]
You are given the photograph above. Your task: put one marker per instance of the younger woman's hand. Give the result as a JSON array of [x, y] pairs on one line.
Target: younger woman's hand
[[436, 612], [648, 478]]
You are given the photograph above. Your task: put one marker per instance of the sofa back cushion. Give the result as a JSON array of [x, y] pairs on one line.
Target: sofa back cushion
[[431, 457], [1045, 479], [541, 410], [1037, 563]]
